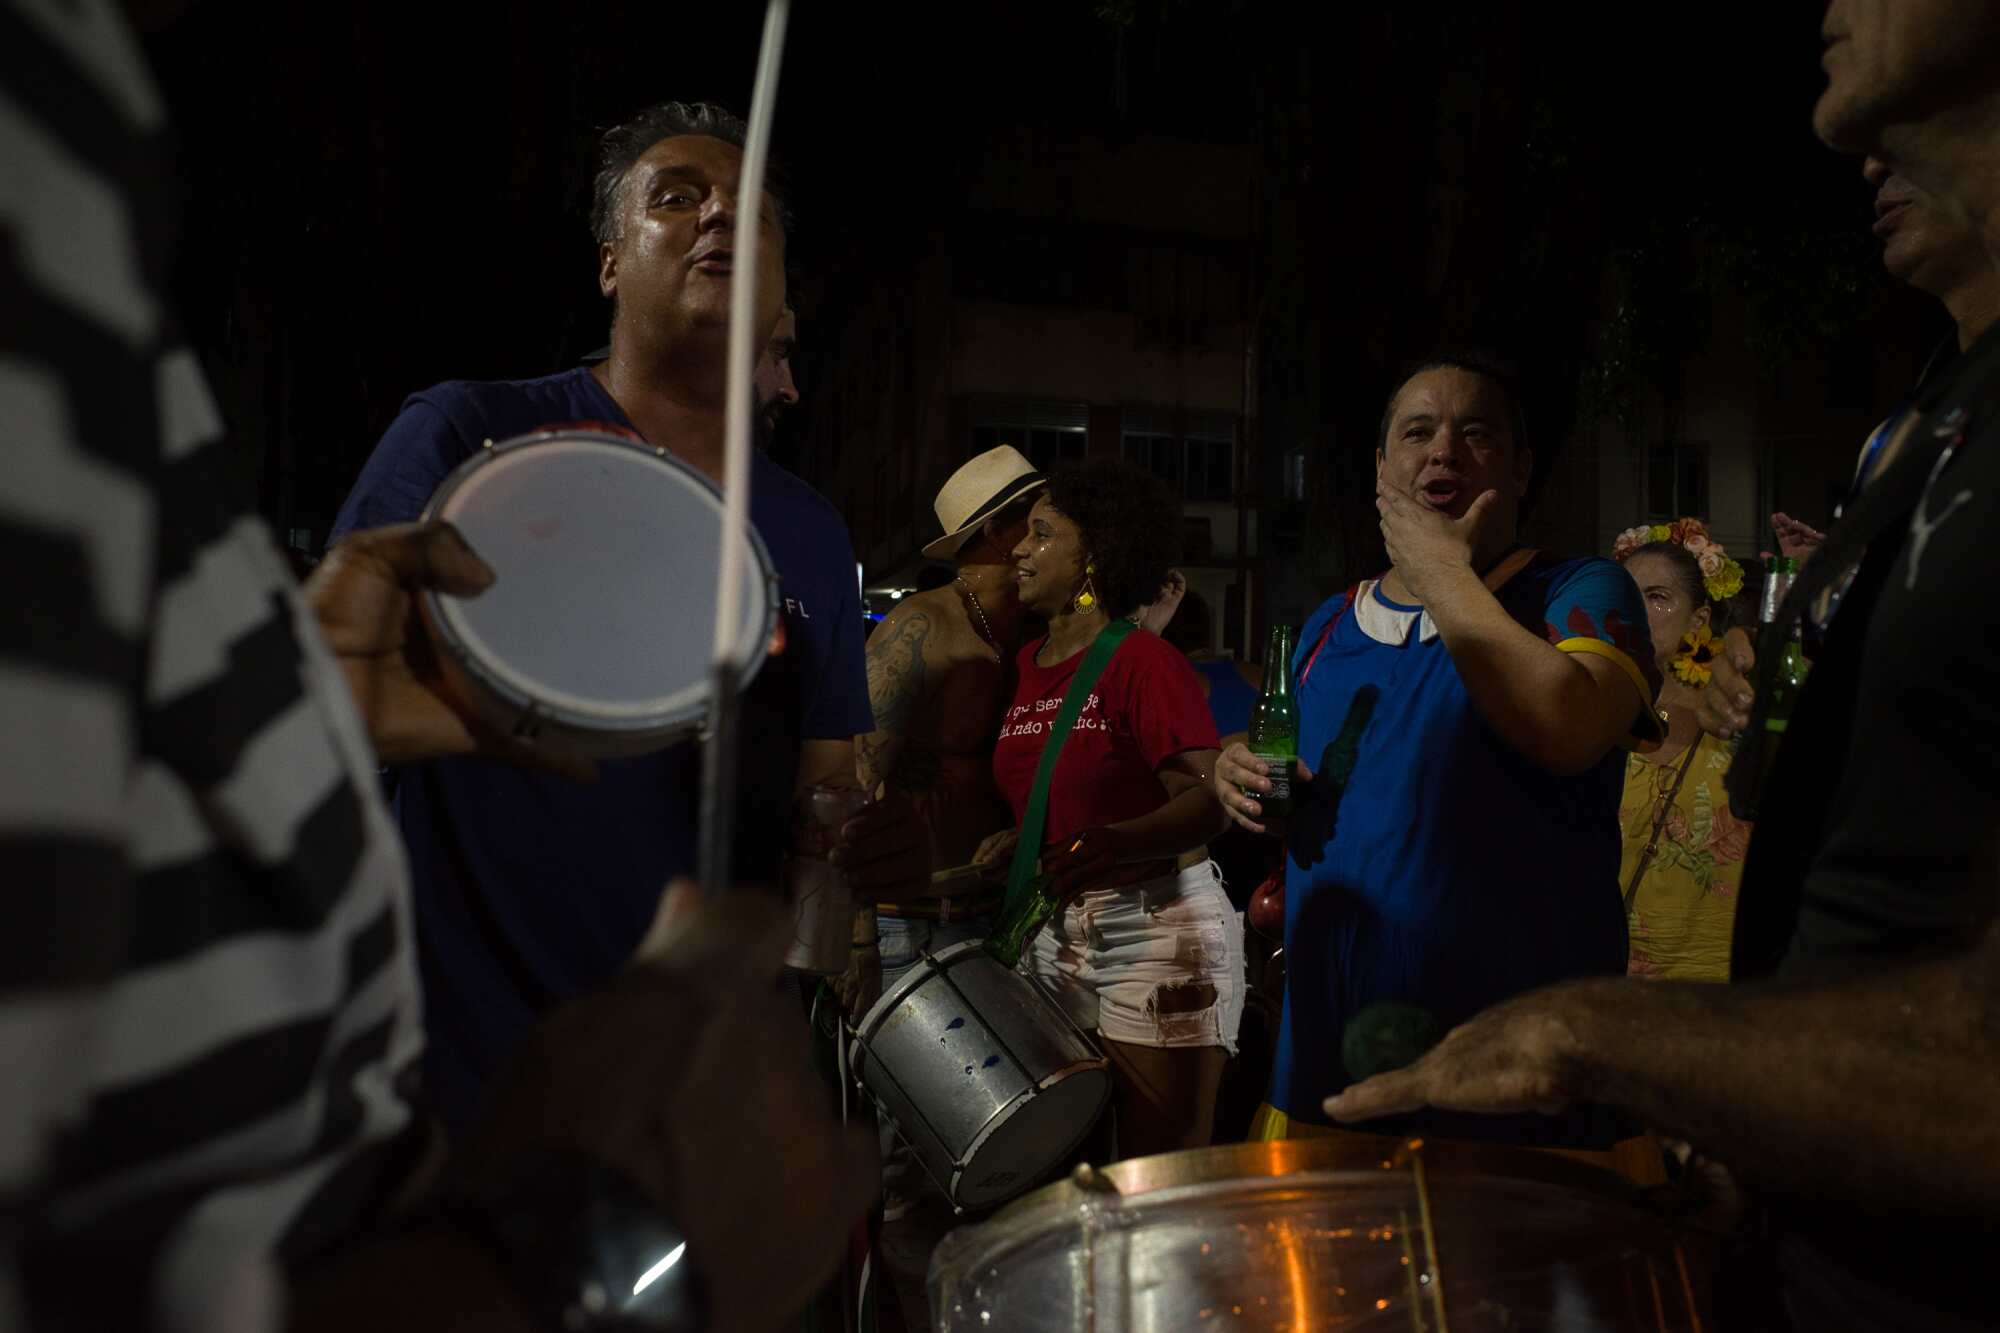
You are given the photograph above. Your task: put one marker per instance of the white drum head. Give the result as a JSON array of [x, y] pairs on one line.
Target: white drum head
[[1020, 1146], [602, 614]]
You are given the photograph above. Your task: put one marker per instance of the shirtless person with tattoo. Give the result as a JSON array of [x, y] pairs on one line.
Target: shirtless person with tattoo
[[938, 668]]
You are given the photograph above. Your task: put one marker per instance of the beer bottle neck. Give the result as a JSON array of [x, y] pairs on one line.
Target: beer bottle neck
[[1278, 663], [1777, 582]]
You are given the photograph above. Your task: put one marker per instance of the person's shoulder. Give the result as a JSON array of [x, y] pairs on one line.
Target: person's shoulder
[[510, 406], [921, 612], [1555, 573], [1554, 564], [1146, 651], [1324, 612], [777, 482]]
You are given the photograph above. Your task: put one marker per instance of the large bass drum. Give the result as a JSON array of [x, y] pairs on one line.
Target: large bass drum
[[987, 1078], [1326, 1234], [597, 636]]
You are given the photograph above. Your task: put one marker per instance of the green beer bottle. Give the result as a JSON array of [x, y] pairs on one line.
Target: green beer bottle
[[1037, 905], [1785, 686], [1274, 725], [1785, 682]]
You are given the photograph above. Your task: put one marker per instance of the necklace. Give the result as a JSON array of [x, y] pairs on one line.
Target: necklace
[[985, 630]]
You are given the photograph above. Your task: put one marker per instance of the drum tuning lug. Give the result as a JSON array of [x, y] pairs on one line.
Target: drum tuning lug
[[486, 443], [1092, 1181]]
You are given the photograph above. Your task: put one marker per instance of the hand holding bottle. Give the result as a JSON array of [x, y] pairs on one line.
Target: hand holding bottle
[[1239, 774], [1723, 709]]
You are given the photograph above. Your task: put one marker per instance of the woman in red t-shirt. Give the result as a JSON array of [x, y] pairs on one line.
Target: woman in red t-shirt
[[1148, 951]]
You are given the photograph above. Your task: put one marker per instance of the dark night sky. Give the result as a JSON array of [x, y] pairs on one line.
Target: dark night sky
[[382, 195]]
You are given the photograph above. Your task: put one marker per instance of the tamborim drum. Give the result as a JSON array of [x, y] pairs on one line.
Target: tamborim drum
[[988, 1079], [597, 636]]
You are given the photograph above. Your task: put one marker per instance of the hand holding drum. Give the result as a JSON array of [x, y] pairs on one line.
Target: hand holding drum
[[364, 596], [596, 636]]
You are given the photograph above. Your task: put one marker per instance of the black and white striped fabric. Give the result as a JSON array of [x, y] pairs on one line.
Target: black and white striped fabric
[[207, 990]]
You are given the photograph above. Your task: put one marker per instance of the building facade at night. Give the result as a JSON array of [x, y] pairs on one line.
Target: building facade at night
[[1090, 296]]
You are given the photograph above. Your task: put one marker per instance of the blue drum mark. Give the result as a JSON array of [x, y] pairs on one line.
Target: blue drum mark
[[991, 1061]]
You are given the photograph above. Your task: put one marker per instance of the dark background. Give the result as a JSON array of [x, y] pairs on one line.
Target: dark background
[[382, 195]]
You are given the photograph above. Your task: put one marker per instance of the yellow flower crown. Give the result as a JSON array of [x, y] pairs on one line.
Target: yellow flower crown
[[1721, 577]]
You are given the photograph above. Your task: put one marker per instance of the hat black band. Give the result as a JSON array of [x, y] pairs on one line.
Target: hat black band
[[1012, 491]]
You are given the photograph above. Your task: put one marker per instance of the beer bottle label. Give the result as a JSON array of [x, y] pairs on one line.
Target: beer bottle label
[[1280, 776]]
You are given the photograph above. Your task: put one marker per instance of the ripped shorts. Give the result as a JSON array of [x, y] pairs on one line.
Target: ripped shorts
[[1115, 957]]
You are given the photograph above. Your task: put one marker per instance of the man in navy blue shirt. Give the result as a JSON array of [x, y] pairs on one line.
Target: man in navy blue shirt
[[531, 888]]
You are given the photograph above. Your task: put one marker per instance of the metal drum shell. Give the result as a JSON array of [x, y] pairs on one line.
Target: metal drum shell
[[977, 1064], [1370, 1236], [504, 705]]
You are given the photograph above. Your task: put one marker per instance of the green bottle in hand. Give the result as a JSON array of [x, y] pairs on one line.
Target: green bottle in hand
[[1274, 725], [1038, 903]]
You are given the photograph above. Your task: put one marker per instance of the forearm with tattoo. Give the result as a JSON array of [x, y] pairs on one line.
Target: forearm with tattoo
[[896, 692]]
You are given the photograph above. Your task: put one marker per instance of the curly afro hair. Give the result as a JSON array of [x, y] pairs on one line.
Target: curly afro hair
[[1131, 527]]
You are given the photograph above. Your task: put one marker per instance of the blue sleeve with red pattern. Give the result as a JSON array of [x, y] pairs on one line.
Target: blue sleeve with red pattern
[[1593, 605]]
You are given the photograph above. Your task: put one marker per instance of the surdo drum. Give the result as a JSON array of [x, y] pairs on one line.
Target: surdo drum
[[1356, 1234], [597, 637], [988, 1079]]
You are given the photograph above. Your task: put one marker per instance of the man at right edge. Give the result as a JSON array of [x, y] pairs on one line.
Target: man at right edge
[[1850, 1076]]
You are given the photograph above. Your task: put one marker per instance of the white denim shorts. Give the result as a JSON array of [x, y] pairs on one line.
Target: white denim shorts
[[1113, 954]]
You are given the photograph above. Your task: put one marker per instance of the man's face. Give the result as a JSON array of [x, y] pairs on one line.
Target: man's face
[[1451, 438], [1009, 528], [1925, 242], [777, 394], [1898, 62], [668, 269]]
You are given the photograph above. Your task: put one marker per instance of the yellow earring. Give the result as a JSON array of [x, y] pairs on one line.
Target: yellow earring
[[1087, 598]]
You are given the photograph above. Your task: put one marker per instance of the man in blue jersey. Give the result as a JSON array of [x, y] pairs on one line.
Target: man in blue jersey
[[531, 888], [1461, 842]]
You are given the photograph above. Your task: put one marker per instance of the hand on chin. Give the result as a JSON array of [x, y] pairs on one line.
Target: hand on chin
[[1426, 543]]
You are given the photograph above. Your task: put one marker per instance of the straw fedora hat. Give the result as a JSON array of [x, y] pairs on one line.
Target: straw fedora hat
[[976, 492]]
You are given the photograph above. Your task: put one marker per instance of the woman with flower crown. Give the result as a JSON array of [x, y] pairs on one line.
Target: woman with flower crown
[[1683, 849]]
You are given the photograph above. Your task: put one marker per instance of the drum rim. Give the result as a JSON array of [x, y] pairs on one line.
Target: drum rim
[[1028, 1220], [1281, 1162], [930, 966], [443, 617], [927, 962], [1101, 1065]]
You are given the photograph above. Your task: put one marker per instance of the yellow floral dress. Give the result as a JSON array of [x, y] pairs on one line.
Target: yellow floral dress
[[1684, 910]]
